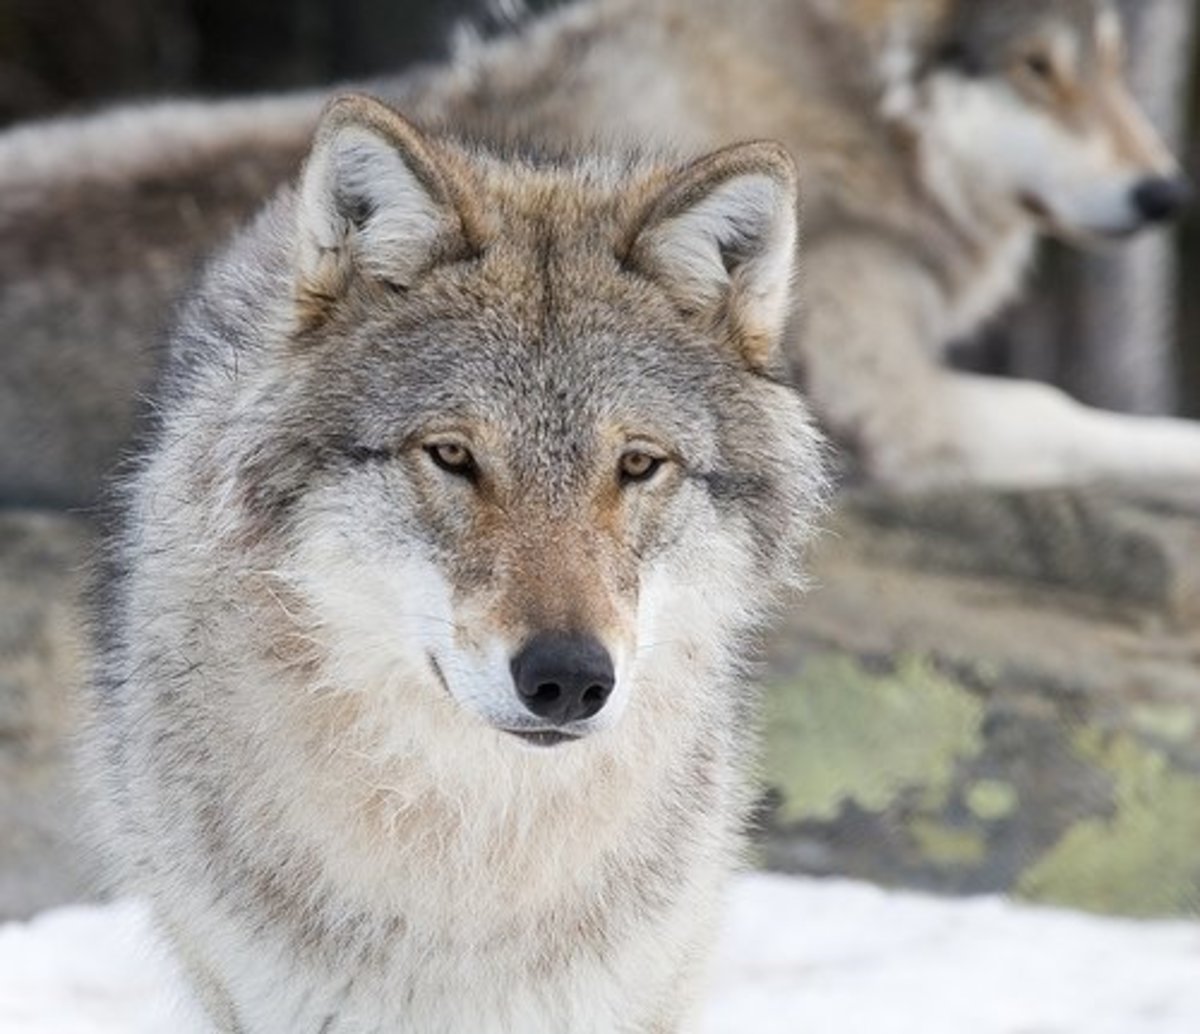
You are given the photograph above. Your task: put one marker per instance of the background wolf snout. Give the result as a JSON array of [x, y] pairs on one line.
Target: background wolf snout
[[563, 677], [1161, 198]]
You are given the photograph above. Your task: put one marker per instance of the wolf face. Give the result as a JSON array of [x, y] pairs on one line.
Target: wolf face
[[518, 432], [1030, 99]]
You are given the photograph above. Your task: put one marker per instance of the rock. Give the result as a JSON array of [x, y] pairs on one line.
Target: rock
[[42, 861], [997, 692]]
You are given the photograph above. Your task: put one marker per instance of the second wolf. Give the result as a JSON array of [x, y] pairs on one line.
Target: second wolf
[[421, 710], [938, 138]]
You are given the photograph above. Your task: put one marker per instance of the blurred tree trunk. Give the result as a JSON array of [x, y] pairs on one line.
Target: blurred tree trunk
[[1105, 325], [56, 55], [382, 36], [61, 54], [1124, 355], [1189, 321]]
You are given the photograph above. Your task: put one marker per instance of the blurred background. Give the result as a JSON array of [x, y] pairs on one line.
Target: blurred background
[[1120, 332], [989, 692]]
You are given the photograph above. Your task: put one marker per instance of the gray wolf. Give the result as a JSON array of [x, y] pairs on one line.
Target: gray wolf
[[937, 140], [421, 709]]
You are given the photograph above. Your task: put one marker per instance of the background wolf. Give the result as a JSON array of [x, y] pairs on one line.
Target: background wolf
[[459, 459], [938, 138]]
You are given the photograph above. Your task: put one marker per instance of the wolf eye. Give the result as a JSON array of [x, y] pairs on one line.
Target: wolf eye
[[453, 458], [957, 55], [638, 466], [1040, 65]]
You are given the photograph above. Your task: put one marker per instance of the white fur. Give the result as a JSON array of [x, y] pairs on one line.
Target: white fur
[[1025, 434], [754, 215], [1000, 146], [357, 167]]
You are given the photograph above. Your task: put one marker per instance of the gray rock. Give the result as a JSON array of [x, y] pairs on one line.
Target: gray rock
[[42, 861]]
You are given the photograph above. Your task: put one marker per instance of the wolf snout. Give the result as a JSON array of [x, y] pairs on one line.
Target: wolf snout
[[1159, 199], [563, 677]]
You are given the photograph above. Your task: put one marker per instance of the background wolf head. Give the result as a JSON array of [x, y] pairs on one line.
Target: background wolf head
[[1031, 99]]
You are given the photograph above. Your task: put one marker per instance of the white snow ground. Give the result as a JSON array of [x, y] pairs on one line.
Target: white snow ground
[[798, 957]]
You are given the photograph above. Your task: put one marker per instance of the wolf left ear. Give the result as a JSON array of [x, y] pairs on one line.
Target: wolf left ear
[[721, 237], [376, 199]]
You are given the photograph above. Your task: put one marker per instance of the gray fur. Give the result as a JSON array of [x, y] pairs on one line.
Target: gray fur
[[330, 840]]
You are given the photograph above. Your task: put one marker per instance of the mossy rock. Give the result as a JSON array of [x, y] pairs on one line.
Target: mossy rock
[[906, 775], [1143, 858], [842, 734]]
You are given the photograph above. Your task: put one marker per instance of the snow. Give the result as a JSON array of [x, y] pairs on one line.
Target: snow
[[797, 957], [845, 958]]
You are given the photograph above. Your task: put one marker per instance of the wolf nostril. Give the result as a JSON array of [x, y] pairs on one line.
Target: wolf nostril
[[563, 677], [547, 692], [594, 698], [1161, 198]]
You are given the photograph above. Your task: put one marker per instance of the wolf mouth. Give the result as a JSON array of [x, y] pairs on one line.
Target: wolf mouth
[[543, 737], [1036, 207], [437, 671], [1080, 235]]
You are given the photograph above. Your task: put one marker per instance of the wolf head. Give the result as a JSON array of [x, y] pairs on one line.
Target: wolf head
[[517, 434], [1029, 99]]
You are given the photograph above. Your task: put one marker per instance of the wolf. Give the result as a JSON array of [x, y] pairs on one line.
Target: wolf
[[938, 139], [421, 708]]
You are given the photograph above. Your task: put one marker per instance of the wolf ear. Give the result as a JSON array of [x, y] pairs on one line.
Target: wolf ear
[[721, 237], [375, 200]]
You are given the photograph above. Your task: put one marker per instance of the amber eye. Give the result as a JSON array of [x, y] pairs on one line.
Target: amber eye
[[637, 465], [453, 458], [1040, 65]]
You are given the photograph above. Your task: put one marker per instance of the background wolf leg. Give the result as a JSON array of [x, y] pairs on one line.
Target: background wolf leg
[[861, 343]]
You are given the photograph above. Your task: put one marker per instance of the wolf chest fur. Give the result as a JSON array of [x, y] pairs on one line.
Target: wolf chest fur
[[421, 709]]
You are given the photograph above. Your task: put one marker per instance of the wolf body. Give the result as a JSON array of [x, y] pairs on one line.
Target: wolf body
[[421, 708], [937, 138]]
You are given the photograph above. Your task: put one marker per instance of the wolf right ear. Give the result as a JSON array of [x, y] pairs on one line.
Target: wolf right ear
[[376, 200], [721, 238]]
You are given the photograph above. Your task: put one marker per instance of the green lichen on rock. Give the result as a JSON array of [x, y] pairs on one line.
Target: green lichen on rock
[[945, 845], [990, 800], [1144, 859], [1171, 724], [841, 733]]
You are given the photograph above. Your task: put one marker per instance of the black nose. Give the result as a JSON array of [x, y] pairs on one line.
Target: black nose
[[563, 677], [1161, 198]]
